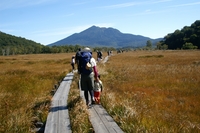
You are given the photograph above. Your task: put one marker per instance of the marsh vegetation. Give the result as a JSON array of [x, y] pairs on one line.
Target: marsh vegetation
[[145, 91]]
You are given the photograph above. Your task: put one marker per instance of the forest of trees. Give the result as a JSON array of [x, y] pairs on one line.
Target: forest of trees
[[16, 45], [186, 38], [12, 45]]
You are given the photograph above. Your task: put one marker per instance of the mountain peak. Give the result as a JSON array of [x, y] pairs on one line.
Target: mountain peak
[[96, 36], [94, 26]]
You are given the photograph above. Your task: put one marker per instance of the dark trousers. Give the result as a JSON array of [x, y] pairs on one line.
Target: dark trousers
[[72, 65], [87, 85], [86, 96]]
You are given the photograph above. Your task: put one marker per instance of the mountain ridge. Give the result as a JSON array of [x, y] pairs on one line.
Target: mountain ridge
[[104, 37]]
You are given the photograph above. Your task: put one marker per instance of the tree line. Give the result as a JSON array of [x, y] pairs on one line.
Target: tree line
[[12, 45], [186, 38]]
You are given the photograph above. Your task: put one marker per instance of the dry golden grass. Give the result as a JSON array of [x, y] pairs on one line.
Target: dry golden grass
[[26, 83], [154, 91], [145, 91], [78, 111]]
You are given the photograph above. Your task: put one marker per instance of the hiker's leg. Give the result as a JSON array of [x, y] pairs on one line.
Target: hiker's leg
[[86, 97], [91, 86], [92, 96]]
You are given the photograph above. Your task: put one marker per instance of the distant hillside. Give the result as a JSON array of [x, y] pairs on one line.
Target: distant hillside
[[104, 37], [10, 44], [186, 38], [13, 45], [10, 40]]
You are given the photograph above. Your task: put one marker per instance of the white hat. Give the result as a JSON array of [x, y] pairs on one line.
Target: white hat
[[86, 49]]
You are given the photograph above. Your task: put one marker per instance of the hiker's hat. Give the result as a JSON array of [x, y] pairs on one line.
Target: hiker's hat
[[86, 49]]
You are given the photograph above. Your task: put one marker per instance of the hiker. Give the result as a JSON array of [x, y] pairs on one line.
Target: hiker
[[99, 56], [98, 88], [88, 73], [108, 52], [73, 62], [77, 59]]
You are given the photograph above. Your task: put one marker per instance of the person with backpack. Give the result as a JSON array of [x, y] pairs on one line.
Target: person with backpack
[[88, 73], [99, 56]]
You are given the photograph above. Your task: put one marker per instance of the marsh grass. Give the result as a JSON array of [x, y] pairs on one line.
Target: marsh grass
[[78, 112], [144, 91], [26, 83], [154, 91]]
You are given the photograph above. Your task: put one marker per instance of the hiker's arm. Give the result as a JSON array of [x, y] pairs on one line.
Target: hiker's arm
[[101, 85], [95, 72]]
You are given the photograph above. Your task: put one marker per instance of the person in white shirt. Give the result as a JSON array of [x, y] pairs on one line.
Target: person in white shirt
[[98, 88], [88, 73], [73, 62]]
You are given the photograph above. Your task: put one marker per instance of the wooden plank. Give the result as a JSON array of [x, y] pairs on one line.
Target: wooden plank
[[101, 121], [58, 118], [97, 123], [108, 121], [63, 122], [105, 59]]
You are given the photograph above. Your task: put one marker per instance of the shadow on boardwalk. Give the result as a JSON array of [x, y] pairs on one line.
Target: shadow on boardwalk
[[58, 118]]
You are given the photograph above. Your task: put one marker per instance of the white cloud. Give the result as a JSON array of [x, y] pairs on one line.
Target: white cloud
[[188, 4], [120, 5], [129, 4], [148, 12], [84, 2], [8, 4], [161, 1]]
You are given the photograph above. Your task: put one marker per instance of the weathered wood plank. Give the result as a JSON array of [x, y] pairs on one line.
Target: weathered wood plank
[[108, 121], [58, 118], [101, 121], [97, 123]]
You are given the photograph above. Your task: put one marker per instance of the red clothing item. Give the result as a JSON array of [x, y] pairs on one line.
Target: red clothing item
[[95, 72], [97, 96]]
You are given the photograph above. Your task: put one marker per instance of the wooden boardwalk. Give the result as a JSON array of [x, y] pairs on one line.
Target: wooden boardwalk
[[101, 121], [58, 118]]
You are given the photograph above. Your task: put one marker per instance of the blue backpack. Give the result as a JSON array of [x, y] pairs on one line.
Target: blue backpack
[[85, 58]]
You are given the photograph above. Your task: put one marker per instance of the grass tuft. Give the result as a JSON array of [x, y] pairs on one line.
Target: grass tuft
[[154, 94], [26, 83], [78, 112]]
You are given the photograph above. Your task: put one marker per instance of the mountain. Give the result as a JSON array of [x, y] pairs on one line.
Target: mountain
[[104, 37]]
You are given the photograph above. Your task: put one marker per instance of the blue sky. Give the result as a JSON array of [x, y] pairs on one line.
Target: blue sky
[[47, 21]]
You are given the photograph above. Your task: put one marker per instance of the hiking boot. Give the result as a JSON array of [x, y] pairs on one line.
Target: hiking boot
[[93, 102]]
